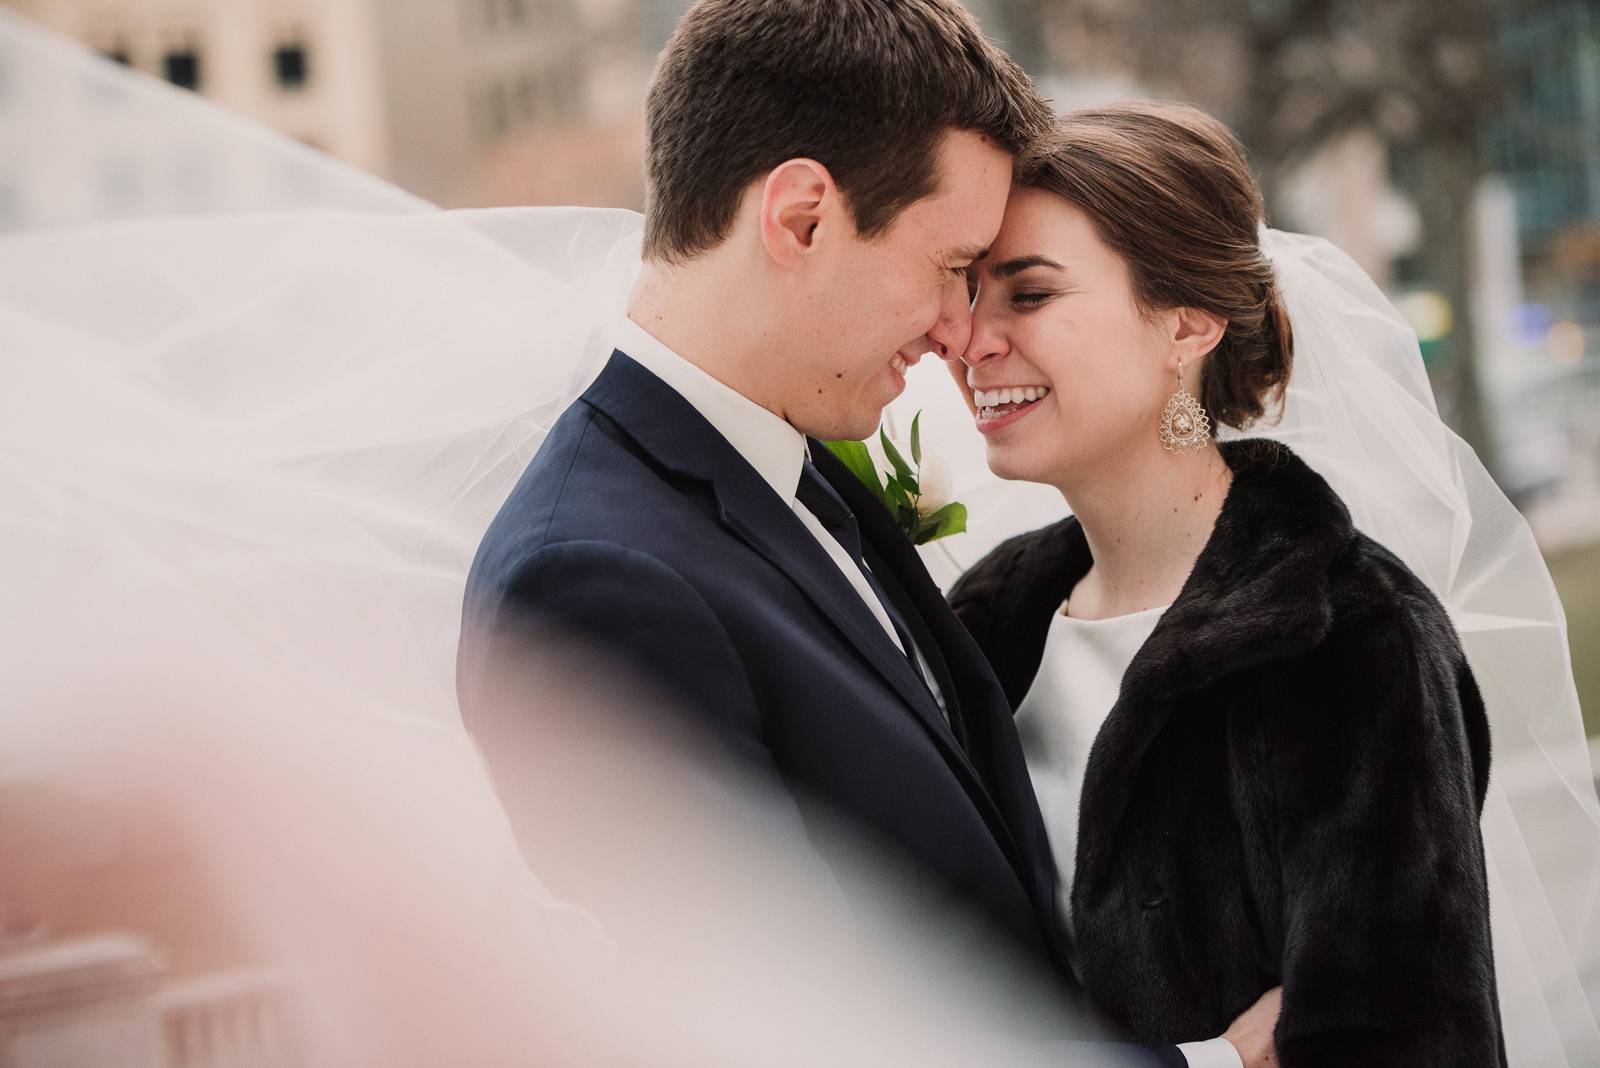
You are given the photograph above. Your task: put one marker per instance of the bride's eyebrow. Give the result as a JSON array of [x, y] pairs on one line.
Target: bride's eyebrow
[[1016, 266]]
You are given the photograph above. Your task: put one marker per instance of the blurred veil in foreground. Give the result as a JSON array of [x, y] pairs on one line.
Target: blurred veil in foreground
[[256, 416], [252, 428]]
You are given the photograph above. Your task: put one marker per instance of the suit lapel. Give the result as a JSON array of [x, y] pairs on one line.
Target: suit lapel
[[972, 694], [910, 614], [669, 428], [751, 510]]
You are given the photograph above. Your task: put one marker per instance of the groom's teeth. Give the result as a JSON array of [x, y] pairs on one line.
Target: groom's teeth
[[898, 363]]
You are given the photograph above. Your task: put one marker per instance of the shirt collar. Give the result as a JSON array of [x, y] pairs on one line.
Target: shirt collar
[[774, 448]]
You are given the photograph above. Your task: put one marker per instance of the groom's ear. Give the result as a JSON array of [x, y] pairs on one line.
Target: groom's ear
[[798, 200]]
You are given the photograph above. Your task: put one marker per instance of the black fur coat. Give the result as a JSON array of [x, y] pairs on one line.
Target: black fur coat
[[1286, 791]]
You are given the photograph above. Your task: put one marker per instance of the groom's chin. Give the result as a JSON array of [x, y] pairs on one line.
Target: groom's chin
[[855, 424], [862, 427]]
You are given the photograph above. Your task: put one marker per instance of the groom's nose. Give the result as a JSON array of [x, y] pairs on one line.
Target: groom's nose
[[949, 336]]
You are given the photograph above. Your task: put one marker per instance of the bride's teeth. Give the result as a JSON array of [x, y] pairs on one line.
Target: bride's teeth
[[1030, 394]]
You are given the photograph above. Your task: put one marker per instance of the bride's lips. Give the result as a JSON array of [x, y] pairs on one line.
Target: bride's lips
[[996, 409]]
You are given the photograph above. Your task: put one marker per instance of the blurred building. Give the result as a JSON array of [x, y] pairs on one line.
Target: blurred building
[[1549, 145], [114, 948], [454, 100]]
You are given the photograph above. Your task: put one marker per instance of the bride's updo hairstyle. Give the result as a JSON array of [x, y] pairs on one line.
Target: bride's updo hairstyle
[[1167, 188]]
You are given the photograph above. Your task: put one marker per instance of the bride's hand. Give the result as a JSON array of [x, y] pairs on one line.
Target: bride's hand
[[1251, 1033]]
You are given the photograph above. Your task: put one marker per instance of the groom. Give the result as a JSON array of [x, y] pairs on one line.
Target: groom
[[821, 174]]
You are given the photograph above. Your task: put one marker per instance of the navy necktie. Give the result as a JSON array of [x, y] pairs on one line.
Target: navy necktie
[[836, 518]]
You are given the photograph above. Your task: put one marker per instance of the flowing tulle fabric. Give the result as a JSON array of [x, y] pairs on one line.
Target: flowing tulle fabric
[[266, 391]]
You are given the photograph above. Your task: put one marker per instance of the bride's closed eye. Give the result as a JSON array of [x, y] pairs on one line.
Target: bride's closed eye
[[1030, 298]]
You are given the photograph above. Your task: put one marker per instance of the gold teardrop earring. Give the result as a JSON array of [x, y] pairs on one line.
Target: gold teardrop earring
[[1185, 426]]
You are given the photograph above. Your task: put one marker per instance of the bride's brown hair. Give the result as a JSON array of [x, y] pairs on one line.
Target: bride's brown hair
[[1168, 189]]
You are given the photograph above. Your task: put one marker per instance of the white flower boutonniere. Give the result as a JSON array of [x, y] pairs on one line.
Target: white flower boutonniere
[[917, 493]]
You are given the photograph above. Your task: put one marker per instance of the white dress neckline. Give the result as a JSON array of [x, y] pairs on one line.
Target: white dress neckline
[[1079, 678]]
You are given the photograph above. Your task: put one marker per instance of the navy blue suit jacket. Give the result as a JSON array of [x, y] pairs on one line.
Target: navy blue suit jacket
[[640, 527]]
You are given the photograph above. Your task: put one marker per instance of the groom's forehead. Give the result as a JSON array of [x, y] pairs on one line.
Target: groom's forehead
[[968, 201], [966, 253]]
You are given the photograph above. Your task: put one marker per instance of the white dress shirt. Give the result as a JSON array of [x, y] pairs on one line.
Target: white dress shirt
[[774, 448], [1078, 682]]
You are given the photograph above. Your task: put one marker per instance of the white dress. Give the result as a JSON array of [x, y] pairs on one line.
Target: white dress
[[1078, 682]]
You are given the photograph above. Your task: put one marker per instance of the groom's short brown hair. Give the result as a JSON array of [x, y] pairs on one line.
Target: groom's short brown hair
[[865, 87]]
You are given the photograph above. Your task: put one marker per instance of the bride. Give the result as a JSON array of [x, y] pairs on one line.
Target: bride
[[300, 421], [1257, 745]]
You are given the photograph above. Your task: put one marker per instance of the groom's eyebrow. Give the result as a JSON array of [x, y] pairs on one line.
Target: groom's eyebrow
[[970, 253], [1014, 267]]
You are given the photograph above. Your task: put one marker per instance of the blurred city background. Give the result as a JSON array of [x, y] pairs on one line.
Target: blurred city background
[[1452, 147]]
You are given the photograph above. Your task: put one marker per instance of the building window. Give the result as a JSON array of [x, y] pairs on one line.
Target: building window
[[181, 67], [291, 66]]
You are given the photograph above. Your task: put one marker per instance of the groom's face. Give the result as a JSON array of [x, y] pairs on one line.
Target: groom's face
[[882, 302]]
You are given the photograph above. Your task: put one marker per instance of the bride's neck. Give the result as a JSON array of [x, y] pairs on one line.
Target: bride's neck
[[1146, 520]]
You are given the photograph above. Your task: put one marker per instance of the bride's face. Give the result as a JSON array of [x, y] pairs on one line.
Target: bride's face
[[1054, 318]]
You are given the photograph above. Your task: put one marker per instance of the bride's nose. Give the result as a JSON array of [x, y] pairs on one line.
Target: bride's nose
[[984, 343]]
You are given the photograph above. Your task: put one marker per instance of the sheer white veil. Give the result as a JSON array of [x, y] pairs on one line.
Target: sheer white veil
[[251, 380]]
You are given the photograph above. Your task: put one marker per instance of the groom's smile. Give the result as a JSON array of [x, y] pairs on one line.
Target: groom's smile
[[897, 369]]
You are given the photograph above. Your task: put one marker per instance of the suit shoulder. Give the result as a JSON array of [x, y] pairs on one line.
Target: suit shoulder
[[588, 482]]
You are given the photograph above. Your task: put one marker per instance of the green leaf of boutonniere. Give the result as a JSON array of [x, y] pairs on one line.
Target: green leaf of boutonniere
[[912, 492], [859, 461], [951, 519], [901, 468], [896, 496]]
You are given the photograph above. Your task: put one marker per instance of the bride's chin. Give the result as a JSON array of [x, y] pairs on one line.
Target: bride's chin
[[1008, 464]]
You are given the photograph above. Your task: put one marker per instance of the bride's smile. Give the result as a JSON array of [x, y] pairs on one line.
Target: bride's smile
[[1002, 406]]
